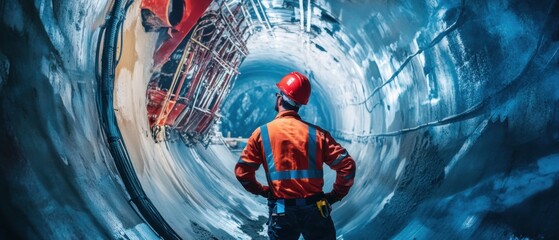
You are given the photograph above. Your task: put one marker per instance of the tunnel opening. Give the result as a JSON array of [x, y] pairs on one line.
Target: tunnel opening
[[250, 104]]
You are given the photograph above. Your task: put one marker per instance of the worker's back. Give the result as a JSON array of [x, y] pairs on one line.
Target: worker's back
[[293, 152], [297, 156]]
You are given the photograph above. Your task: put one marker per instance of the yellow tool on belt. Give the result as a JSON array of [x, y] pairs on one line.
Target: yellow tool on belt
[[323, 207]]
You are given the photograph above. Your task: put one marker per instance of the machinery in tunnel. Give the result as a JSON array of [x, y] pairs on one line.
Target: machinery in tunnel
[[186, 92], [450, 109]]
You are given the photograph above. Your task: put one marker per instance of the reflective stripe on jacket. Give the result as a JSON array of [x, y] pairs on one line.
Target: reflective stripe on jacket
[[293, 153]]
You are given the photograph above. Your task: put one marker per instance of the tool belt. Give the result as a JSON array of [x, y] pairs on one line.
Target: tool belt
[[319, 200], [301, 201]]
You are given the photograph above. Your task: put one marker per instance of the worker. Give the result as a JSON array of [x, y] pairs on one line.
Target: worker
[[292, 152]]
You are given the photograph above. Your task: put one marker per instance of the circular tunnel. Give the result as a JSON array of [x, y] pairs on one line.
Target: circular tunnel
[[449, 108]]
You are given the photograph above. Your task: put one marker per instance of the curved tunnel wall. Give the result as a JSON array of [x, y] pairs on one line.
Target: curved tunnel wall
[[443, 81], [459, 138]]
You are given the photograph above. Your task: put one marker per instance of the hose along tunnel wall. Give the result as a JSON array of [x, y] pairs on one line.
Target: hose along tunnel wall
[[116, 144], [450, 109]]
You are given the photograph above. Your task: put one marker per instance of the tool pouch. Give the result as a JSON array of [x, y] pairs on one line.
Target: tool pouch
[[324, 208], [279, 209]]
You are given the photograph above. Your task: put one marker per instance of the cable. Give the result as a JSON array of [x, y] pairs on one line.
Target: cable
[[117, 147], [121, 42]]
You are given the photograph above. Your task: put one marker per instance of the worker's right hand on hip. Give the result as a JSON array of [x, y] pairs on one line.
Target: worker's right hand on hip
[[331, 198], [265, 192]]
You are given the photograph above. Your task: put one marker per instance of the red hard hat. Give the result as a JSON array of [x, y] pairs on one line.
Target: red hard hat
[[296, 86]]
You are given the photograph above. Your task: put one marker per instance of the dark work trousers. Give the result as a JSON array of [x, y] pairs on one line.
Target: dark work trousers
[[299, 220]]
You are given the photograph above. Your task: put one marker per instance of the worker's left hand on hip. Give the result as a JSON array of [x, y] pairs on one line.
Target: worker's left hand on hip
[[265, 192]]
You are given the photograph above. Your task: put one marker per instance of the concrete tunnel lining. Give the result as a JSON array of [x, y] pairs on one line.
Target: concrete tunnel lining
[[488, 173]]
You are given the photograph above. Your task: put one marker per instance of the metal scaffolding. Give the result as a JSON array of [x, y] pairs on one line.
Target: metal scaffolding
[[190, 88]]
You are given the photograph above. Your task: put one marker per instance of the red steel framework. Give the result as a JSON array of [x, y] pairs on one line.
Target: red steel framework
[[157, 14], [189, 85]]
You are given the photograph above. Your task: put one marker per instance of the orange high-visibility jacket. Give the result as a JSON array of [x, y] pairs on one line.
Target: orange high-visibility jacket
[[293, 152]]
